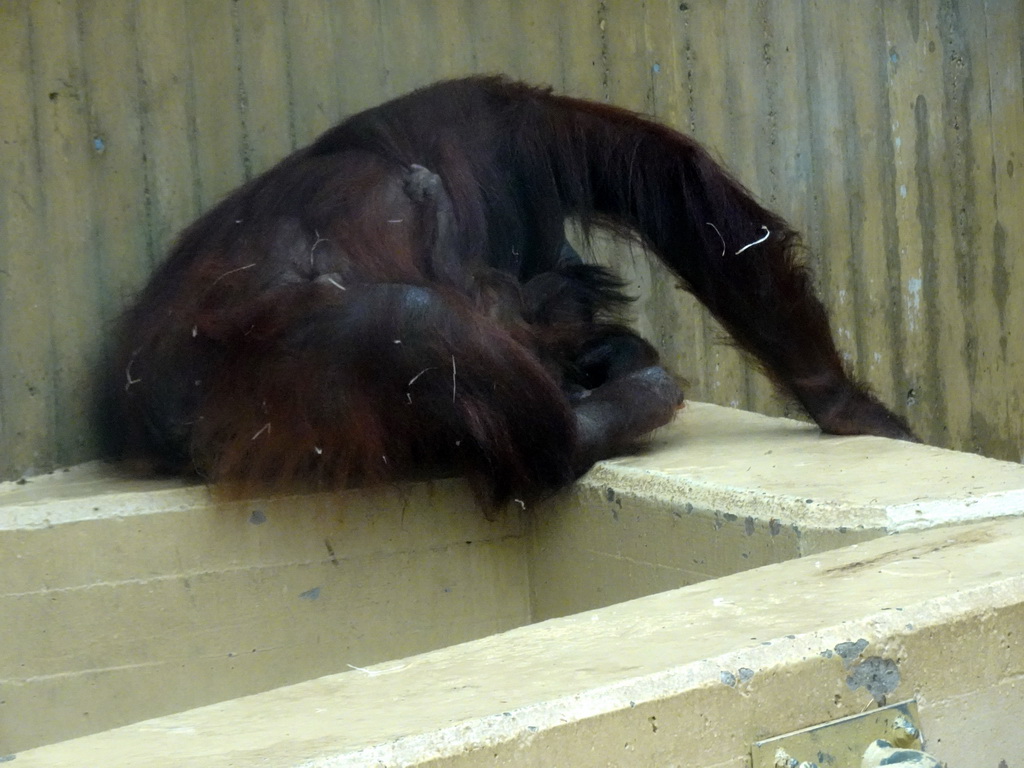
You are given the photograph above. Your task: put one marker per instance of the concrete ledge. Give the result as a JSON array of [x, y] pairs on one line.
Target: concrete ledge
[[767, 467], [109, 597], [689, 677], [721, 491], [116, 587]]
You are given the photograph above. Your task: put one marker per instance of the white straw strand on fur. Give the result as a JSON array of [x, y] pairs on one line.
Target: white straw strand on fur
[[312, 248], [129, 381], [231, 272], [412, 381], [767, 234], [719, 235]]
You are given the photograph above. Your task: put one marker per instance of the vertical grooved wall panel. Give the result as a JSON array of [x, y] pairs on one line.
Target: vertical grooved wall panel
[[893, 137]]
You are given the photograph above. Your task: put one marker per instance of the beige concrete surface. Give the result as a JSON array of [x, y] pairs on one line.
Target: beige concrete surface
[[688, 677], [722, 490], [125, 598], [781, 468]]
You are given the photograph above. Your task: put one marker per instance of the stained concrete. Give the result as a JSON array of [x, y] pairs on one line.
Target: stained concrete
[[688, 677], [115, 587], [722, 490], [785, 469]]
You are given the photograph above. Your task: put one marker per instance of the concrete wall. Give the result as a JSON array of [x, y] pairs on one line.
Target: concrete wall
[[690, 677], [123, 598], [892, 135]]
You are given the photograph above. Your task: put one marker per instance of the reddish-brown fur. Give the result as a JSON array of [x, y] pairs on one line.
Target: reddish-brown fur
[[349, 317]]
